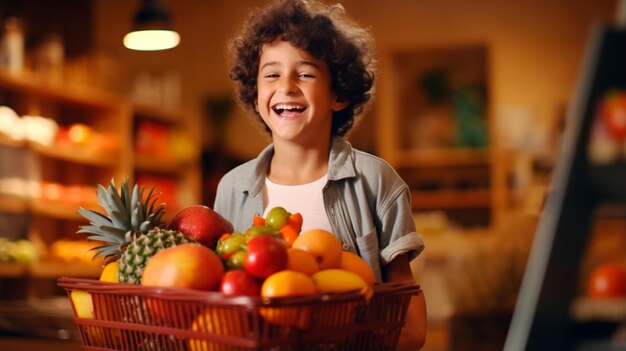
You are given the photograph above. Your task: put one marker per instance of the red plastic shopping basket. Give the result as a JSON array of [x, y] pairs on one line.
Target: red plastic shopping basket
[[135, 317]]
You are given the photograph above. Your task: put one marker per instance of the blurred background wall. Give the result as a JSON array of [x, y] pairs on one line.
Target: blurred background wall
[[535, 47]]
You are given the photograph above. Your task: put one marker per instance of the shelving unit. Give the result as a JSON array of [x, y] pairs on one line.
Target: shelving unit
[[55, 178], [171, 160], [467, 182]]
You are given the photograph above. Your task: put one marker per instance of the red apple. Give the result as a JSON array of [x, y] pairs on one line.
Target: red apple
[[266, 254], [190, 266], [239, 282], [201, 223]]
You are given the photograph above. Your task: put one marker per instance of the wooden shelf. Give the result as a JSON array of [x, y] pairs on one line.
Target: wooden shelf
[[153, 164], [82, 155], [49, 269], [55, 209], [450, 199], [13, 204], [594, 309], [444, 157], [5, 140], [12, 270], [157, 113], [56, 269], [52, 209], [31, 84]]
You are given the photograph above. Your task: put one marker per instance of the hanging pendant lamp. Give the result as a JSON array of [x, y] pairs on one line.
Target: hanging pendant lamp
[[151, 30]]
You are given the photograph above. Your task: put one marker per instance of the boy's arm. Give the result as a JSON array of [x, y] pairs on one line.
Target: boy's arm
[[413, 335]]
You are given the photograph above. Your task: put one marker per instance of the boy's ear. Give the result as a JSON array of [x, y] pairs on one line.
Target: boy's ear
[[339, 104]]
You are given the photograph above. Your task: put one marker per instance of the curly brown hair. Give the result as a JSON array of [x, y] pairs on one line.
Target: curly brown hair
[[322, 31]]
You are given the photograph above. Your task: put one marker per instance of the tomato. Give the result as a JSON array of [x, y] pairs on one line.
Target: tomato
[[607, 280], [239, 282], [266, 255], [613, 111]]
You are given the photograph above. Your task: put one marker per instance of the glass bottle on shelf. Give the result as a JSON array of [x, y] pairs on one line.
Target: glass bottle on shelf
[[12, 45]]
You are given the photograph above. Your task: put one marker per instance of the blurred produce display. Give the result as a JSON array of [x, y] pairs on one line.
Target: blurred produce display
[[79, 251], [607, 142], [20, 251]]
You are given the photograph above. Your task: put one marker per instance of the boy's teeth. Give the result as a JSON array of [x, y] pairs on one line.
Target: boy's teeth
[[289, 108]]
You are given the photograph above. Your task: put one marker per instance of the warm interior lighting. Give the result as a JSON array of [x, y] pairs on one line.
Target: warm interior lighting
[[151, 29], [151, 40]]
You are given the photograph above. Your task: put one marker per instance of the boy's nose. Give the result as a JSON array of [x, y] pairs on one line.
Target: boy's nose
[[286, 87]]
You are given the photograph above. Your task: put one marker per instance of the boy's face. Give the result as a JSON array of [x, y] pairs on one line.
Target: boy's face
[[294, 93]]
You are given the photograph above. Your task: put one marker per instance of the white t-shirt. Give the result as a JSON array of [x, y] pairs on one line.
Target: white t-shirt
[[307, 199]]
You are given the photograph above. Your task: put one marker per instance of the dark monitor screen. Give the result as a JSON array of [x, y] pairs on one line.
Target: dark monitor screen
[[590, 172]]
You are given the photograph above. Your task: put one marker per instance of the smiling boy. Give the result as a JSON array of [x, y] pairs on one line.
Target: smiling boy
[[306, 71]]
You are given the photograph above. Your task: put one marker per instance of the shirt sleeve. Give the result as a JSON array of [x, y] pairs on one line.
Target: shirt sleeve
[[398, 235]]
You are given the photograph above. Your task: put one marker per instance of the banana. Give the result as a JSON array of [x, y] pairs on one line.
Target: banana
[[335, 280]]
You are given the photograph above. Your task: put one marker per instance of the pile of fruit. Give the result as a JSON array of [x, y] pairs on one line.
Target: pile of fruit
[[199, 249]]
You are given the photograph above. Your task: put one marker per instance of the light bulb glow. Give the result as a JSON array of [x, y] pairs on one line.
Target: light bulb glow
[[151, 40]]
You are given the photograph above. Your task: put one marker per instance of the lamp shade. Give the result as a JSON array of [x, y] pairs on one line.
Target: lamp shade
[[151, 29]]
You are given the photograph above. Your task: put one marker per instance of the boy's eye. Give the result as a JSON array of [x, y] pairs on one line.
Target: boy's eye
[[271, 75], [306, 75]]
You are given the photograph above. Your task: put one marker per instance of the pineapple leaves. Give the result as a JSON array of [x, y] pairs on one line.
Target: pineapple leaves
[[127, 216], [136, 196], [102, 197], [144, 227], [126, 200], [119, 215], [109, 250], [96, 218], [107, 233], [137, 218]]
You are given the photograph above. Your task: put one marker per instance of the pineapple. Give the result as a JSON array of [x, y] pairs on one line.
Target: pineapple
[[130, 229], [138, 252]]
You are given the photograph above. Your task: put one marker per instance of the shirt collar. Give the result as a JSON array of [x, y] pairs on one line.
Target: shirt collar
[[340, 161], [340, 165]]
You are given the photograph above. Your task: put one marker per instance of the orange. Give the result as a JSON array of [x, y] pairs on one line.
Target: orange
[[355, 264], [301, 261], [217, 321], [109, 273], [287, 283], [323, 245]]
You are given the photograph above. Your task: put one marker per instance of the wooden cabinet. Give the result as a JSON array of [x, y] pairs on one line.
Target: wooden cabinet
[[44, 179], [434, 127]]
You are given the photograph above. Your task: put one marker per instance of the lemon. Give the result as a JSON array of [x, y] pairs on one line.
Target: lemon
[[336, 280], [109, 273]]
